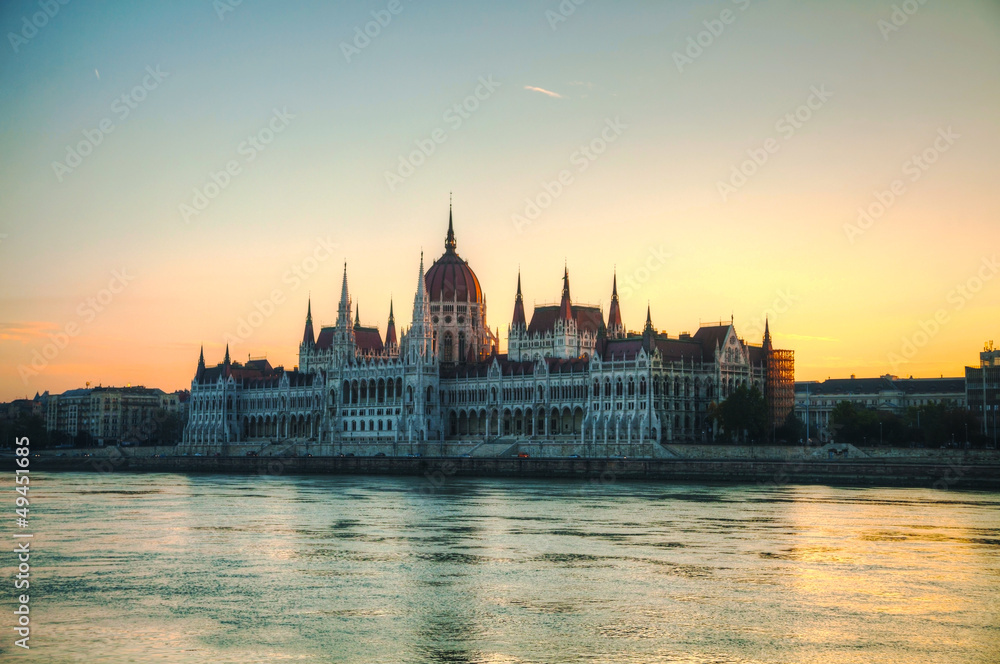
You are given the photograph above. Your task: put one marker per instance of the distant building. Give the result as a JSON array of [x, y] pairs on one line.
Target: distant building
[[21, 408], [982, 386], [109, 414], [815, 401]]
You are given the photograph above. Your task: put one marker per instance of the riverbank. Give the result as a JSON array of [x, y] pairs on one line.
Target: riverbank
[[957, 473]]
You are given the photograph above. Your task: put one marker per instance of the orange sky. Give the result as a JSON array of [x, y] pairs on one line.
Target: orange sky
[[630, 148]]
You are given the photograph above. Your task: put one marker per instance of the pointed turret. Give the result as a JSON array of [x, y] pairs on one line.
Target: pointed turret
[[420, 336], [767, 336], [344, 307], [357, 315], [226, 363], [201, 364], [308, 336], [518, 322], [565, 307], [615, 326], [648, 332], [390, 330]]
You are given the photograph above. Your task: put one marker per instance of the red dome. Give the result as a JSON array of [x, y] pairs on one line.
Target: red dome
[[451, 278]]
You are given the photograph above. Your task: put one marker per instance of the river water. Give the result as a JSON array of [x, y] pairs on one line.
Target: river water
[[175, 568]]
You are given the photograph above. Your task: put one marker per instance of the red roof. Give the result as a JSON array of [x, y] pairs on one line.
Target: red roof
[[325, 339], [543, 319], [368, 339]]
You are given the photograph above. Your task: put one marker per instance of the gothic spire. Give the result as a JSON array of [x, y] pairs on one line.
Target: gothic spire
[[357, 315], [767, 336], [344, 308], [565, 308], [390, 328], [201, 363], [421, 308], [615, 326], [518, 320], [648, 333], [308, 336]]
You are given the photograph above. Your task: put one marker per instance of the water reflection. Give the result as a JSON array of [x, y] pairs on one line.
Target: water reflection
[[355, 569]]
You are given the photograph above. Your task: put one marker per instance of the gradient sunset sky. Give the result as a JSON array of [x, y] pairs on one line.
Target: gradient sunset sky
[[846, 297]]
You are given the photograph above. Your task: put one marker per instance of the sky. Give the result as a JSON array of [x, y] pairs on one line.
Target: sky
[[191, 173]]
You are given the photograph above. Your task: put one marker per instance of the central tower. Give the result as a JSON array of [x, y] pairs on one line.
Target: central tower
[[458, 307]]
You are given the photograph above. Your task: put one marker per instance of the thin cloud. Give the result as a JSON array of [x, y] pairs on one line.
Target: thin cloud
[[25, 331], [543, 91]]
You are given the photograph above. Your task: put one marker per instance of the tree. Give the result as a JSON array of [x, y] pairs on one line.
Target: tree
[[743, 415], [792, 430]]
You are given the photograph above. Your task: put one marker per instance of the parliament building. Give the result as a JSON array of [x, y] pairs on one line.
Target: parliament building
[[572, 382]]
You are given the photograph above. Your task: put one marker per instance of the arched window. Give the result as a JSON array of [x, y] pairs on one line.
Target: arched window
[[446, 351], [461, 346]]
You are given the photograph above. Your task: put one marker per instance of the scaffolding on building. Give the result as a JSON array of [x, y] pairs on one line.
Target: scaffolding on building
[[779, 386]]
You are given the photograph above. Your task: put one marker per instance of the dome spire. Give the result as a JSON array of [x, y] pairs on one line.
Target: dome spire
[[449, 242]]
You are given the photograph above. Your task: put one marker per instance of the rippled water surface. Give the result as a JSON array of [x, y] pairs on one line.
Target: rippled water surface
[[174, 568]]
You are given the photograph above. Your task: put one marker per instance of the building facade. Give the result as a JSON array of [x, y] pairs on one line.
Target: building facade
[[110, 415], [815, 400], [982, 385], [568, 378]]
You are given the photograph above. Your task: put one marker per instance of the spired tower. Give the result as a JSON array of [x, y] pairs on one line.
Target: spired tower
[[457, 308], [421, 421]]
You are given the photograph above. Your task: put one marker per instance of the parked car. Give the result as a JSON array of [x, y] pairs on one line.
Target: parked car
[[252, 453], [380, 454], [523, 455]]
